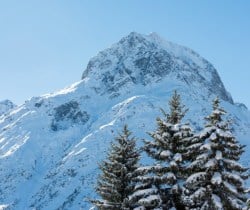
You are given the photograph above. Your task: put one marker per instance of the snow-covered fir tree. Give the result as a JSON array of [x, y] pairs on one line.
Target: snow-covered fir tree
[[160, 185], [218, 183], [116, 183]]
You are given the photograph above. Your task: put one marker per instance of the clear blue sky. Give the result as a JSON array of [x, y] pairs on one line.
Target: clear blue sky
[[45, 45]]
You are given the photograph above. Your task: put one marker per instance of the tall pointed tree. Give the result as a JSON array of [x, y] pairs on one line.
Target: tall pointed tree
[[116, 183], [219, 179], [168, 149]]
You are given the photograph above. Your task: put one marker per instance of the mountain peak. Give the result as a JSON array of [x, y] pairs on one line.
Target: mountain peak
[[135, 34], [151, 37], [155, 36], [147, 59]]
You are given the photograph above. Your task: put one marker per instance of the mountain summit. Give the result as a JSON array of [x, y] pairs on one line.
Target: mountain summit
[[144, 59], [51, 145]]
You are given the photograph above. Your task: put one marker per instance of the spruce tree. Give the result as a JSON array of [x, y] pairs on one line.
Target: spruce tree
[[116, 183], [160, 183], [218, 183]]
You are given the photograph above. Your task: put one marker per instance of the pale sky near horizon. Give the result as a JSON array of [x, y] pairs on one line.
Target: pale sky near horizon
[[45, 45]]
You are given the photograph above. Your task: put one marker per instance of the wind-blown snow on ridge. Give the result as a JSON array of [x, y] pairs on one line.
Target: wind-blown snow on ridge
[[6, 106], [50, 146]]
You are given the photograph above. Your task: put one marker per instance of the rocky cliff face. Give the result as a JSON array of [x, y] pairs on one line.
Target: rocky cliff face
[[50, 146], [140, 59]]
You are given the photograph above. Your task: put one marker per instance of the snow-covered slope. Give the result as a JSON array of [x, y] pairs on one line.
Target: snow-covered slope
[[50, 146]]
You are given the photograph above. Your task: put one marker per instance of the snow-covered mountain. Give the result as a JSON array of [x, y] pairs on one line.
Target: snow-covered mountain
[[50, 146], [6, 106]]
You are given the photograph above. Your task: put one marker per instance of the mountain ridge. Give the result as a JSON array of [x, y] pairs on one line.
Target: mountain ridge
[[6, 106]]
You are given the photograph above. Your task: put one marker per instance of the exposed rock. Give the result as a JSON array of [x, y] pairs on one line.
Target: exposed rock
[[67, 115], [140, 59]]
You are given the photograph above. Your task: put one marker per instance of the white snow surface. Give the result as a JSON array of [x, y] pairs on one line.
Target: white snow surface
[[3, 207], [178, 157], [217, 202], [149, 199], [218, 155], [50, 146], [216, 179], [194, 178], [165, 154]]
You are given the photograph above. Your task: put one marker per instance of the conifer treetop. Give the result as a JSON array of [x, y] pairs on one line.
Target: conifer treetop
[[115, 182], [168, 149], [177, 110], [216, 116]]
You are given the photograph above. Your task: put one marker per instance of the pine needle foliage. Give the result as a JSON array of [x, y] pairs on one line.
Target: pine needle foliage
[[219, 179], [160, 182], [115, 182]]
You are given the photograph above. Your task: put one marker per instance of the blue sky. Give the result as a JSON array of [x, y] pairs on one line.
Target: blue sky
[[45, 45]]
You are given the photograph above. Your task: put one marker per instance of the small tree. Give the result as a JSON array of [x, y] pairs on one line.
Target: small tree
[[161, 183], [219, 179], [116, 183]]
